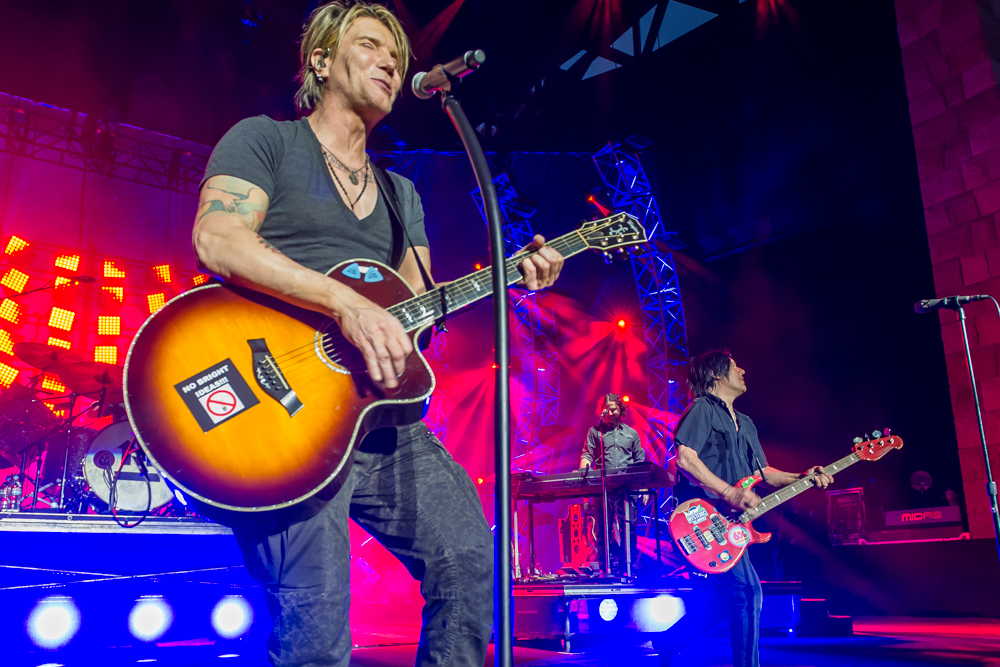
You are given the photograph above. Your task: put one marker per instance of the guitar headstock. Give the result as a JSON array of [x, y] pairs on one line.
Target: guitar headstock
[[873, 450], [617, 232]]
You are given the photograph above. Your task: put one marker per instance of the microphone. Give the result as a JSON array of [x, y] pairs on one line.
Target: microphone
[[425, 84], [82, 279], [953, 302]]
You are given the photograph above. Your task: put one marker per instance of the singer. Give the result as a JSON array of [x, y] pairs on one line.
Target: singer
[[281, 203], [716, 447]]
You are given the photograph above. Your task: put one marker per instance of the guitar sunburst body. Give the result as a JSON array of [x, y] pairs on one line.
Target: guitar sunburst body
[[270, 454]]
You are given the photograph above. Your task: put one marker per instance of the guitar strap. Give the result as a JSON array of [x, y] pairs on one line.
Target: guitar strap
[[399, 232]]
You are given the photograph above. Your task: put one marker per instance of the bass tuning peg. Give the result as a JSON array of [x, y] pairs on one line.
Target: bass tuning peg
[[876, 434], [858, 441]]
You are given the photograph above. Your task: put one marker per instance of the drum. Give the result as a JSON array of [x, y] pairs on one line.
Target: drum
[[103, 459]]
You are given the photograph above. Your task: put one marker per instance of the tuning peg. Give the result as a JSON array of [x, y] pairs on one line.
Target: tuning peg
[[886, 432], [858, 441], [867, 437], [876, 434], [607, 257]]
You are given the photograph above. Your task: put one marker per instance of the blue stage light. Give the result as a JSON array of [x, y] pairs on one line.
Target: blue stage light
[[608, 609], [232, 616], [150, 618], [53, 622], [657, 614]]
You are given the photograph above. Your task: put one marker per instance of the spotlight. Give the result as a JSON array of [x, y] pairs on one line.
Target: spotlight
[[53, 622], [625, 399], [477, 266], [150, 618], [621, 324], [111, 270], [608, 609], [657, 614], [232, 616]]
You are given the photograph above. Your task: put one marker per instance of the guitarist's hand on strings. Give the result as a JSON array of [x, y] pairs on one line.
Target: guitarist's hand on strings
[[541, 269], [740, 498], [821, 479], [378, 335]]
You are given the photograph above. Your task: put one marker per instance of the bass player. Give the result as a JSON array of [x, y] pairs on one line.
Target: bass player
[[716, 447], [281, 203]]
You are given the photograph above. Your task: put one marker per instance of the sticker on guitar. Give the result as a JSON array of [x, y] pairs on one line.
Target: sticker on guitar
[[739, 536], [696, 514], [216, 394]]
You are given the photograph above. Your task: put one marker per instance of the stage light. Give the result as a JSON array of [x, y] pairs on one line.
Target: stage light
[[6, 343], [49, 383], [479, 480], [53, 622], [608, 609], [477, 266], [494, 366], [61, 281], [7, 374], [60, 318], [162, 272], [112, 271], [232, 616], [621, 324], [625, 399], [657, 614], [15, 244], [150, 618], [10, 311], [201, 279], [68, 262], [59, 342], [14, 280], [117, 293], [156, 301], [106, 354], [109, 325]]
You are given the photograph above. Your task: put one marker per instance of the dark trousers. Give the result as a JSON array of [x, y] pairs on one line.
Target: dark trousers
[[409, 493], [734, 596]]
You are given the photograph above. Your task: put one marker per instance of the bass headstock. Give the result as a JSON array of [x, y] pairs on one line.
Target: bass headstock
[[616, 232], [882, 444]]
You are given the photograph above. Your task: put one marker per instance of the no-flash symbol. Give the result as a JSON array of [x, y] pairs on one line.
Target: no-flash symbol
[[221, 402]]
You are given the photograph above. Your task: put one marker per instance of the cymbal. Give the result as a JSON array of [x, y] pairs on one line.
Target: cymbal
[[45, 357], [89, 377]]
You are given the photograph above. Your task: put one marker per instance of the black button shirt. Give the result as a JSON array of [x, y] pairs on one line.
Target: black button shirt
[[708, 428], [621, 443]]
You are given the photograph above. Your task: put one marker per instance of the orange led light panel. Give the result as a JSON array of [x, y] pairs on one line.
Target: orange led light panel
[[53, 385], [117, 292], [112, 271], [6, 344], [7, 374], [15, 244], [68, 262], [60, 318], [162, 272], [60, 281], [58, 342], [10, 311], [156, 301], [15, 280], [57, 413], [201, 279], [106, 354], [109, 325]]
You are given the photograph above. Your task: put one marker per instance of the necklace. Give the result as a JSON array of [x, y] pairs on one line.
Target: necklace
[[351, 173], [354, 179]]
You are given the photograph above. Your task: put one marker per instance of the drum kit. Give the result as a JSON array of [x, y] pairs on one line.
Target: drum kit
[[73, 468]]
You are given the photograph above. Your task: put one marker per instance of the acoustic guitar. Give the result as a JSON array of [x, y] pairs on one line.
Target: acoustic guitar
[[712, 542], [250, 404]]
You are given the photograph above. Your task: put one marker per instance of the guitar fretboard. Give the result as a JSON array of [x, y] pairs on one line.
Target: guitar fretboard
[[431, 306], [794, 489]]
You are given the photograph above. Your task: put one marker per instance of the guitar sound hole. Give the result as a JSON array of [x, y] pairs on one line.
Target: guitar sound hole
[[337, 352]]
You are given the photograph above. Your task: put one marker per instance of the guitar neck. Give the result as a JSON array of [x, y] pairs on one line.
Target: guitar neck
[[431, 306], [788, 492]]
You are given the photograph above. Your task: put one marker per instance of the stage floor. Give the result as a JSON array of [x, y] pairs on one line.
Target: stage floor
[[883, 641]]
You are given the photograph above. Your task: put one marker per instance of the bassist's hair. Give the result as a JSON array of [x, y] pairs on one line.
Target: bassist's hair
[[705, 368]]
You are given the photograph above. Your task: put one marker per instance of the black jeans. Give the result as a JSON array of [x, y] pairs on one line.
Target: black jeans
[[409, 493], [734, 595]]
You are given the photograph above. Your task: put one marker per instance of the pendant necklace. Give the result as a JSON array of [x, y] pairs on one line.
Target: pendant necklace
[[352, 175]]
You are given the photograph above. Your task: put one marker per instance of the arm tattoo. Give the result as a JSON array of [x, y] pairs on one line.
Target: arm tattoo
[[267, 245], [217, 199]]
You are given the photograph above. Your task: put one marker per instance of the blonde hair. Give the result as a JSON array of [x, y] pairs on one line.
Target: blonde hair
[[325, 29]]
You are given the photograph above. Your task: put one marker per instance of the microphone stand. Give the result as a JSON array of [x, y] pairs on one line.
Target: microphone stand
[[991, 486], [604, 499], [503, 654]]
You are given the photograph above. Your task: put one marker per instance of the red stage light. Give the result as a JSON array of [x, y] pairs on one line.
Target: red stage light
[[7, 374], [201, 279], [162, 272], [15, 244], [117, 293], [112, 271], [625, 399], [60, 318], [621, 324], [479, 480], [591, 199], [6, 343], [10, 311], [106, 354], [156, 301], [109, 325], [57, 413], [51, 384], [15, 280], [68, 262], [59, 342], [494, 366], [60, 281], [478, 266]]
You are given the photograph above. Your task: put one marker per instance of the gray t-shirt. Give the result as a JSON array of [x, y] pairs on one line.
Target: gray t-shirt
[[306, 218]]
